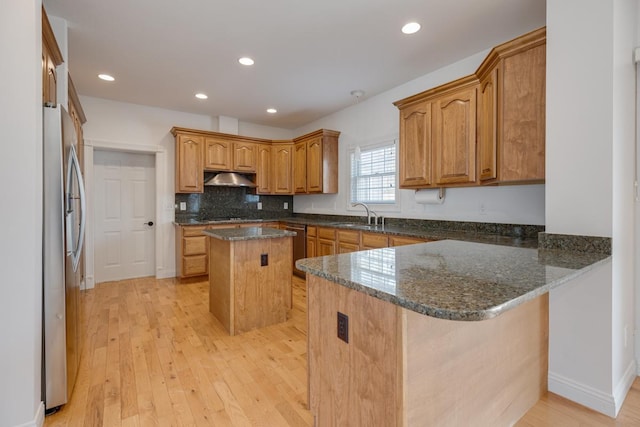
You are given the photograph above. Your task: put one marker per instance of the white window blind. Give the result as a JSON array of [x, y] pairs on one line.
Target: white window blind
[[373, 174]]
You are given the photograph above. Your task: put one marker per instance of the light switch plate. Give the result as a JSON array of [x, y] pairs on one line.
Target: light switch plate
[[183, 206], [259, 205], [286, 205]]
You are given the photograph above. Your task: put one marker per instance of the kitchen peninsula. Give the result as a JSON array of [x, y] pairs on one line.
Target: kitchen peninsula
[[444, 333], [249, 276]]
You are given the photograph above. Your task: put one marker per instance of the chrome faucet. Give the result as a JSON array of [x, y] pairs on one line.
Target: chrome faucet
[[369, 211]]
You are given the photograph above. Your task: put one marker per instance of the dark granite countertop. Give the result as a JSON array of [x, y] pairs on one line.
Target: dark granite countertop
[[248, 233], [409, 231], [456, 280]]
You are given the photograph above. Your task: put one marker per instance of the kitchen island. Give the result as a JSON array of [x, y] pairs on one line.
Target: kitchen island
[[249, 276], [444, 333]]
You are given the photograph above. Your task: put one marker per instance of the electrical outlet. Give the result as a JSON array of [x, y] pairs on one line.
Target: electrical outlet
[[183, 206], [286, 205], [259, 206], [264, 260], [343, 327]]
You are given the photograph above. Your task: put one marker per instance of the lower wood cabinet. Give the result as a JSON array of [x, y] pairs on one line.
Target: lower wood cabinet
[[312, 241], [326, 241], [348, 241], [192, 247], [373, 240]]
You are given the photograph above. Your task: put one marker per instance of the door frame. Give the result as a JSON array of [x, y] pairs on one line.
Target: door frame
[[89, 177]]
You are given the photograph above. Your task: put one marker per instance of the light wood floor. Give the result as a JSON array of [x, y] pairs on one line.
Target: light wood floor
[[153, 355]]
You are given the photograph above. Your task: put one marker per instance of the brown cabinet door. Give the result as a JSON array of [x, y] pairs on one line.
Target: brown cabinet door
[[522, 116], [487, 126], [454, 138], [300, 167], [263, 170], [312, 247], [217, 155], [403, 240], [314, 165], [283, 169], [415, 146], [244, 156], [189, 175], [373, 241]]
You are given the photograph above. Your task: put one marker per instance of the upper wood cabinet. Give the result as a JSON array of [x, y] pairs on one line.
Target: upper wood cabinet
[[300, 167], [415, 145], [486, 128], [189, 164], [51, 58], [244, 156], [218, 155], [77, 115], [264, 173], [282, 175], [438, 136], [316, 162], [308, 164], [454, 138], [512, 118]]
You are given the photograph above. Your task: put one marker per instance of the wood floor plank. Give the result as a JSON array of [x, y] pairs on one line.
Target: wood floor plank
[[152, 354]]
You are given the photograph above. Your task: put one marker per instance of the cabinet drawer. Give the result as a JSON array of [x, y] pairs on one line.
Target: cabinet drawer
[[311, 231], [192, 231], [327, 233], [345, 248], [194, 245], [374, 240], [403, 240], [194, 265], [349, 236]]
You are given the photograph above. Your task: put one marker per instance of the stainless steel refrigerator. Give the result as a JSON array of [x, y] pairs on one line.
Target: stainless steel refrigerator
[[63, 236]]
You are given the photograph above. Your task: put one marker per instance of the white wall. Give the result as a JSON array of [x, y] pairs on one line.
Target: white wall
[[589, 191], [130, 125], [21, 243], [376, 119]]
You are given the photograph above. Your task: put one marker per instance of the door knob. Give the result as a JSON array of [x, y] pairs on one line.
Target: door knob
[[150, 223]]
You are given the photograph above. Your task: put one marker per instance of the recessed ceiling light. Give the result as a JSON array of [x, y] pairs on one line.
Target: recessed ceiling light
[[271, 110], [411, 27], [246, 61], [106, 77], [201, 96]]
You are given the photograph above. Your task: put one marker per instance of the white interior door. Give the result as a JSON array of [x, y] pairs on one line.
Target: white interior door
[[124, 215]]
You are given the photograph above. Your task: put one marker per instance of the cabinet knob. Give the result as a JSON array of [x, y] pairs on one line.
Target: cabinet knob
[[150, 223]]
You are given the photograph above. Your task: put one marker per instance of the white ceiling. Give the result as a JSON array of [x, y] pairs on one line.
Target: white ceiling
[[309, 54]]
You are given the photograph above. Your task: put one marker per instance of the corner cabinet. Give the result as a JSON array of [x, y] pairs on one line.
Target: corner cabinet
[[511, 126], [486, 128], [316, 162]]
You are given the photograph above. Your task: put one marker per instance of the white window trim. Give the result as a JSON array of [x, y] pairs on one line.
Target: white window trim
[[377, 207]]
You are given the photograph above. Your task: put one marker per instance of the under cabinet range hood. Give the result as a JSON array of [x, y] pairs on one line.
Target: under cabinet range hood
[[230, 179]]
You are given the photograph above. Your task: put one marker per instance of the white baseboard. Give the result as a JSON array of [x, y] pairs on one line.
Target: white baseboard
[[38, 419], [621, 390], [165, 274], [582, 394], [89, 282]]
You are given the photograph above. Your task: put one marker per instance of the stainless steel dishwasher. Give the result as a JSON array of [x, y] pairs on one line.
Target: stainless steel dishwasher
[[299, 245]]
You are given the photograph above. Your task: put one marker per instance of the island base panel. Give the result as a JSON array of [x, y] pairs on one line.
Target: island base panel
[[488, 372], [243, 293], [403, 368]]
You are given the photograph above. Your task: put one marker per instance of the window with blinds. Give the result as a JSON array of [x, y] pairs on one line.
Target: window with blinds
[[373, 175]]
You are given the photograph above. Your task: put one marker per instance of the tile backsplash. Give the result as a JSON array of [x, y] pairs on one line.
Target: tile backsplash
[[232, 202]]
